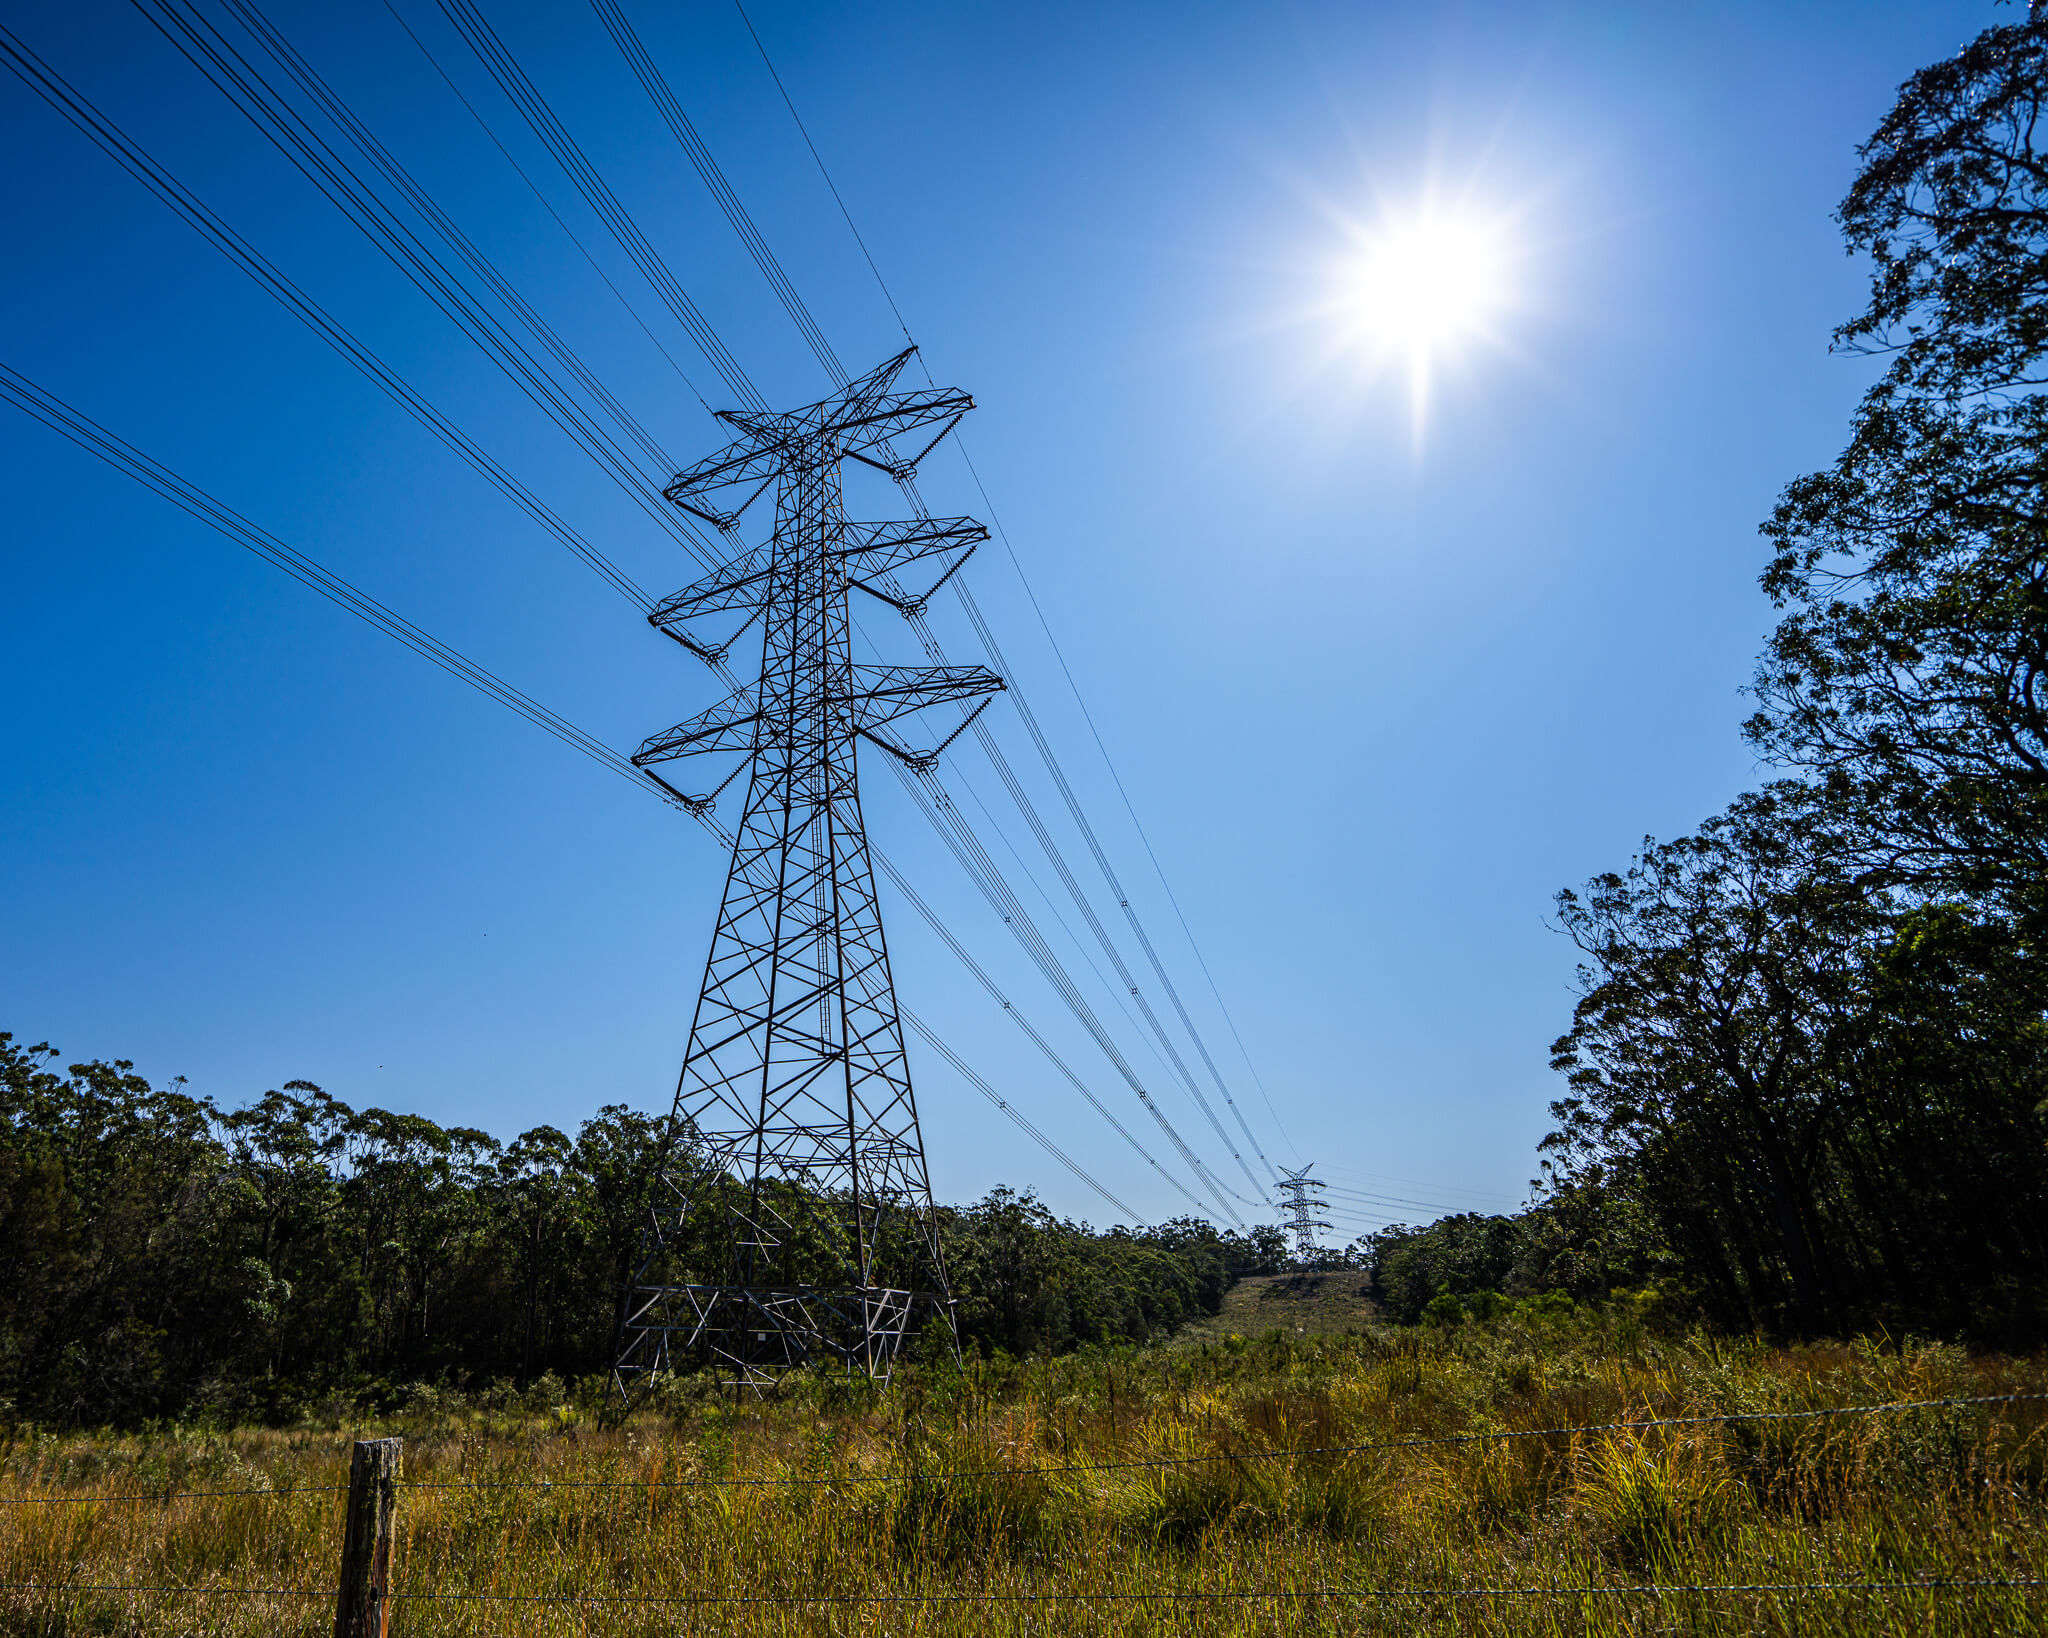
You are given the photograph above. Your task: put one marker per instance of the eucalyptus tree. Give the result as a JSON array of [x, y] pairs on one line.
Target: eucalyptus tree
[[1910, 672]]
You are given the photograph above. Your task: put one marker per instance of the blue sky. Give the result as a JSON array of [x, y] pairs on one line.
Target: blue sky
[[1376, 691]]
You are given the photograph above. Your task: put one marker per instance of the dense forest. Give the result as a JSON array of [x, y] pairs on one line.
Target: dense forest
[[1806, 1075], [167, 1257]]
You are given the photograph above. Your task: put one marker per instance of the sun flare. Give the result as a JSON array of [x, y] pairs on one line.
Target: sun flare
[[1418, 290], [1426, 283]]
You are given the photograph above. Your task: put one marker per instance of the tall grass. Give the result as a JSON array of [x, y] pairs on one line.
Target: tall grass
[[863, 1498]]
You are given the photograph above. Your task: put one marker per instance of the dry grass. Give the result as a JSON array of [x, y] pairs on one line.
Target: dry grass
[[1903, 1497], [1293, 1304]]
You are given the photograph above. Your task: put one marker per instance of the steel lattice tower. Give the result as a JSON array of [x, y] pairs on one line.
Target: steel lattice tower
[[794, 1148], [1301, 1207]]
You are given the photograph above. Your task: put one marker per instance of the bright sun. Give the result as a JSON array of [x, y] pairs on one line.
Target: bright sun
[[1426, 283], [1418, 290]]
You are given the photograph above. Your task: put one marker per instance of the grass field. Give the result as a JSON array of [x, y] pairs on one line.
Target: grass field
[[1312, 1305], [787, 1508]]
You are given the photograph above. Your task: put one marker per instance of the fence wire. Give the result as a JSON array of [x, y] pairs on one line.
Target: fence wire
[[1946, 1585], [170, 1495], [1113, 1595]]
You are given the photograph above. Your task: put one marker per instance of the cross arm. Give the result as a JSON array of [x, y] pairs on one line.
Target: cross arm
[[882, 693], [752, 461], [742, 582], [727, 726]]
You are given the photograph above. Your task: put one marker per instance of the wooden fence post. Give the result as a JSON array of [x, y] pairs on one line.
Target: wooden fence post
[[363, 1607]]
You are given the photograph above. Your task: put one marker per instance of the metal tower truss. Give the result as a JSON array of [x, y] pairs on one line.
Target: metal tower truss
[[1301, 1207], [793, 1220]]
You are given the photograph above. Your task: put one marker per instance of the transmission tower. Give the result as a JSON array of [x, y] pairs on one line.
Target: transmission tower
[[793, 1148], [1301, 1208]]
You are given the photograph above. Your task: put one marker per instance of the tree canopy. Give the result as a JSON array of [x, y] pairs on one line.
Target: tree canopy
[[1810, 1040], [168, 1257]]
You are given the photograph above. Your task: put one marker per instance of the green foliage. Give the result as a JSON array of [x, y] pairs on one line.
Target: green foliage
[[1808, 1064], [1822, 1093], [1905, 677], [1565, 1247], [1659, 1499], [1412, 1268], [172, 1259], [1030, 1283]]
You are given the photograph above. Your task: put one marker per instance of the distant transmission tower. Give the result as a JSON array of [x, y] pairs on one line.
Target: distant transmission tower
[[794, 1142], [1301, 1208]]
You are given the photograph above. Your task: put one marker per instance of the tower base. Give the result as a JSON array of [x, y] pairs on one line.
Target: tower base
[[752, 1336]]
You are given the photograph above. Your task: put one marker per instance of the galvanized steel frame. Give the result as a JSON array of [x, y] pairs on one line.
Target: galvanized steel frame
[[795, 1126]]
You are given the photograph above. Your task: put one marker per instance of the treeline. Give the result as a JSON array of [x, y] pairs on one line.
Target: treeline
[[1572, 1247], [1808, 1063], [166, 1257]]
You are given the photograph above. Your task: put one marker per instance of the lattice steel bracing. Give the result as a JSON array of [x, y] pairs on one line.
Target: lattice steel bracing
[[1301, 1207], [794, 1218]]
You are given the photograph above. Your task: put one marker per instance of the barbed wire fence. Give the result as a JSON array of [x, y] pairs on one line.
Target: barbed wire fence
[[364, 1590]]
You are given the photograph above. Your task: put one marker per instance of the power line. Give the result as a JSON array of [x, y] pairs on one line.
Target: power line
[[1073, 887], [714, 179], [251, 95], [945, 817], [278, 122], [90, 436], [1376, 1183], [967, 1074], [1052, 909], [96, 126], [913, 611], [533, 107], [1161, 1047], [827, 175], [110, 139], [1358, 1227], [938, 809], [1360, 1174], [981, 976], [303, 75], [1362, 1214], [996, 888], [1393, 1200], [988, 877], [1161, 1042], [1052, 764], [534, 188], [1059, 778], [1353, 1210], [1170, 1055], [686, 135], [678, 122]]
